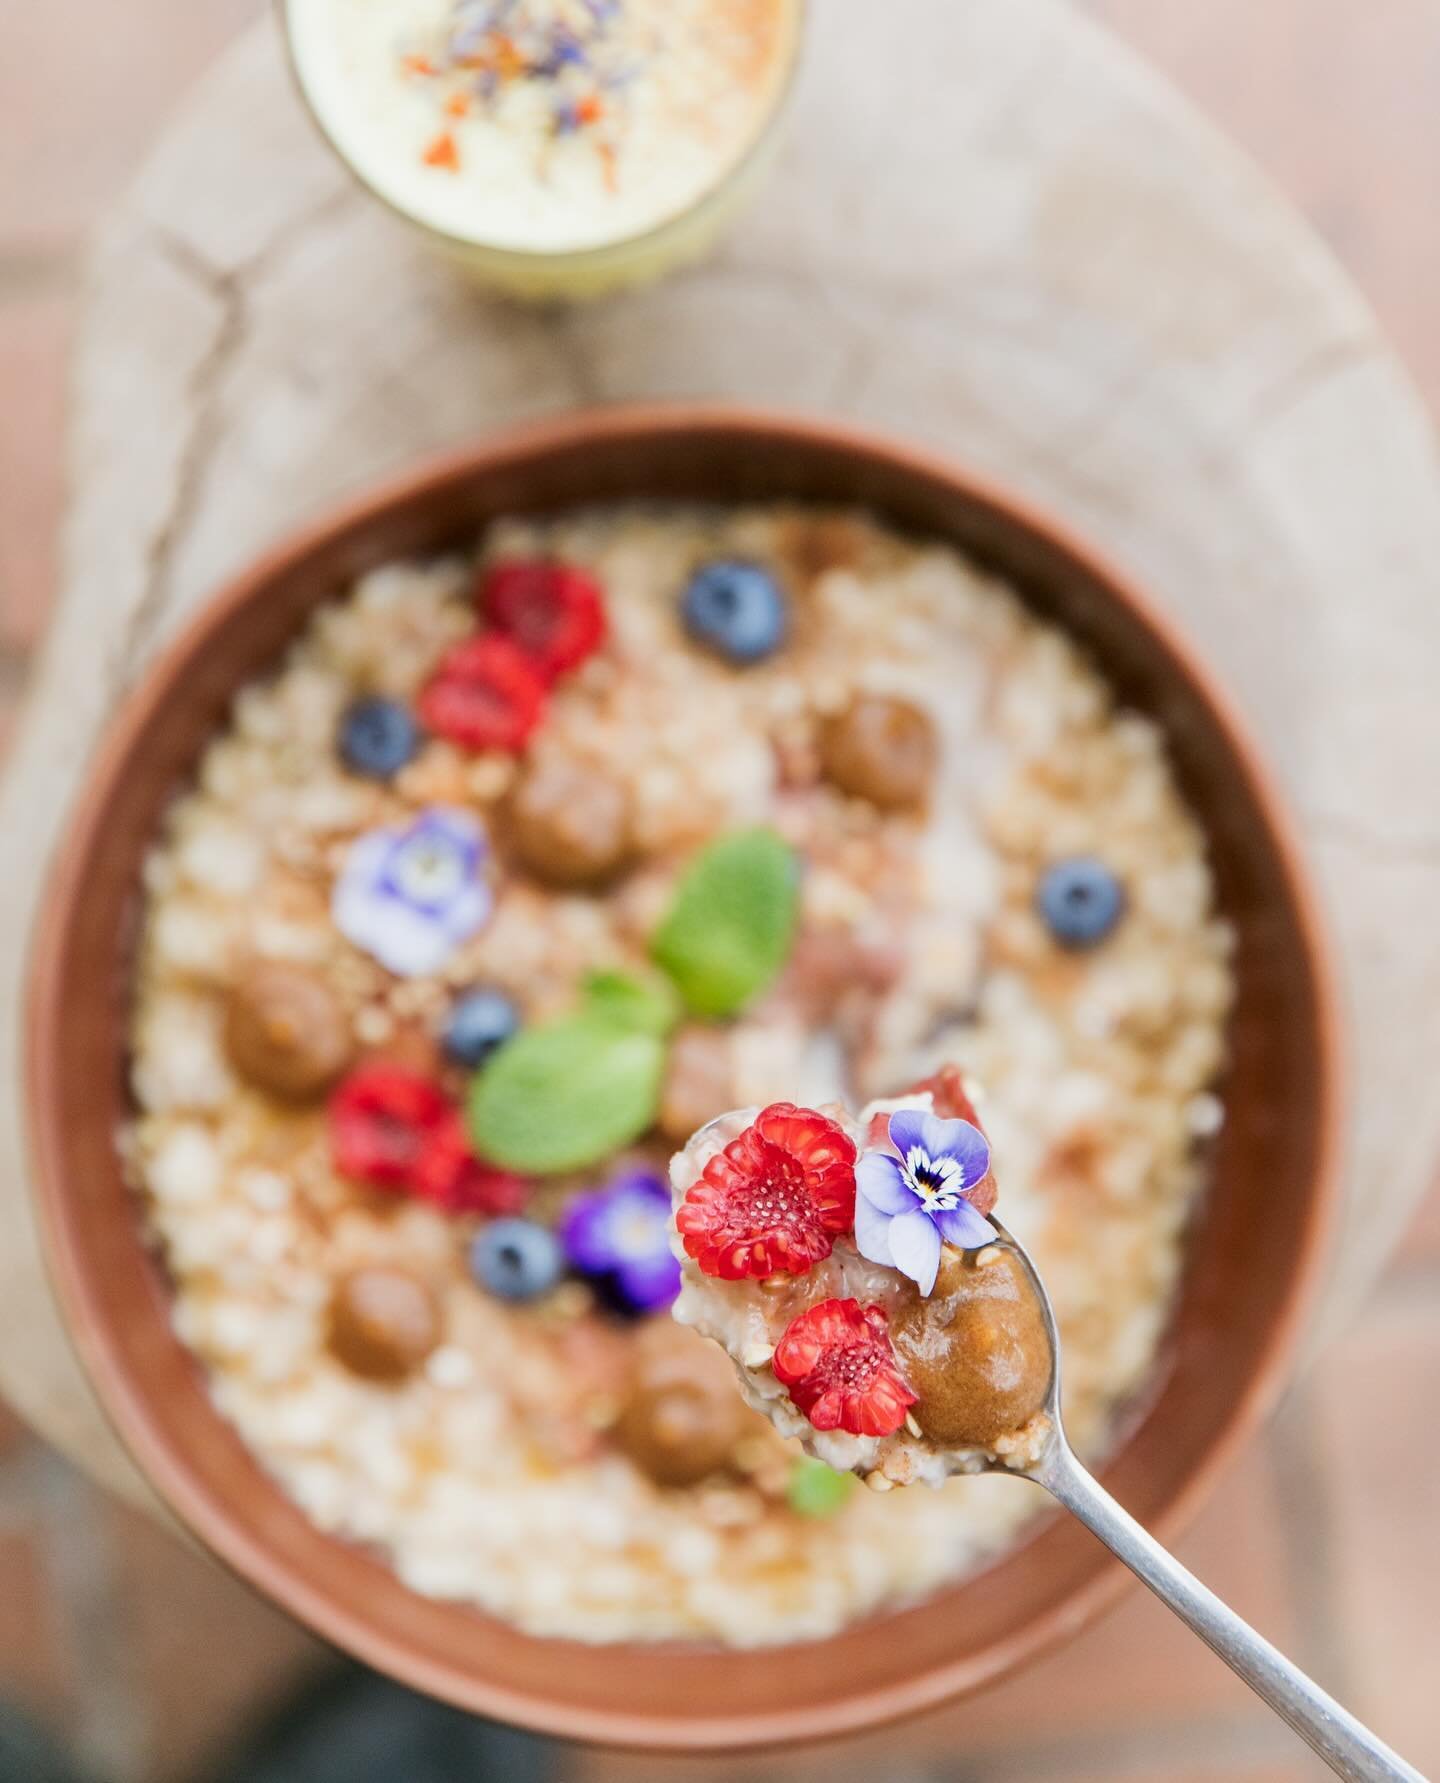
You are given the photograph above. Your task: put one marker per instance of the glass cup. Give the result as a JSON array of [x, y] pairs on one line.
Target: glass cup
[[539, 274]]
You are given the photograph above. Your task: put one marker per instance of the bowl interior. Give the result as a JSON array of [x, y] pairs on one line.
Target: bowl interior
[[1252, 1254]]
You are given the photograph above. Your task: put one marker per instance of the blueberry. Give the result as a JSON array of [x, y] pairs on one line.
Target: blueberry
[[516, 1259], [735, 609], [377, 738], [479, 1021], [1081, 901]]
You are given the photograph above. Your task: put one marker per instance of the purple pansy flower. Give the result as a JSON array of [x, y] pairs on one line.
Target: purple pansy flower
[[911, 1199], [409, 895], [621, 1235]]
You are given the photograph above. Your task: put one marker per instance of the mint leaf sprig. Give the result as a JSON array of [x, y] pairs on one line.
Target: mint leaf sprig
[[568, 1093]]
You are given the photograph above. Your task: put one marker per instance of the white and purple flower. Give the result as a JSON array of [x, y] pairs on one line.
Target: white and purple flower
[[620, 1237], [912, 1198], [410, 894]]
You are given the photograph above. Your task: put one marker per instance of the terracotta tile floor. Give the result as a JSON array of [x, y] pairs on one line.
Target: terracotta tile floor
[[107, 1624]]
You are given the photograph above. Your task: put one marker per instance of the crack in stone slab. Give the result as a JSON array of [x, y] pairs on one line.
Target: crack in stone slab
[[230, 291], [201, 400]]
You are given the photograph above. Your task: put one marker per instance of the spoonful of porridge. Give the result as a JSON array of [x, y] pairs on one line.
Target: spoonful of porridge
[[876, 1309]]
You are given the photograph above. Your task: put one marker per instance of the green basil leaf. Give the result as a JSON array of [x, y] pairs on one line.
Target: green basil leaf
[[567, 1094], [815, 1490], [731, 926], [649, 1004]]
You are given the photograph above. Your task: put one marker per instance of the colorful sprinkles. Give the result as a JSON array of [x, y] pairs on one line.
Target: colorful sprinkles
[[576, 53]]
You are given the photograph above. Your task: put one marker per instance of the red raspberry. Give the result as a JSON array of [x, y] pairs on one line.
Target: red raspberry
[[381, 1118], [449, 1175], [484, 695], [839, 1368], [775, 1197], [553, 611], [396, 1129]]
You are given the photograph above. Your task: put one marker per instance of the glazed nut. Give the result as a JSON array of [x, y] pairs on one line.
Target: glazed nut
[[976, 1352], [680, 1422], [569, 824], [285, 1031], [758, 1355], [881, 749], [678, 1432], [384, 1322]]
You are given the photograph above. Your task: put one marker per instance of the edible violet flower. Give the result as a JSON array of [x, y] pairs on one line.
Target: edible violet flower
[[621, 1234], [410, 894], [911, 1199]]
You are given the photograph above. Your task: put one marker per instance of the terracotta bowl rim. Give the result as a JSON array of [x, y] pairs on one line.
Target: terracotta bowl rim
[[124, 1399]]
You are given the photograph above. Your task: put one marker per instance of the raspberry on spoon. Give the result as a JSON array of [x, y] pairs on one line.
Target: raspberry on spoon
[[837, 1364], [773, 1201]]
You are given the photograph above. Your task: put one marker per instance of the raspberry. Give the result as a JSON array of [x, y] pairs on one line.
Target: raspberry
[[554, 612], [838, 1366], [484, 695], [449, 1175], [395, 1129], [380, 1119], [775, 1197]]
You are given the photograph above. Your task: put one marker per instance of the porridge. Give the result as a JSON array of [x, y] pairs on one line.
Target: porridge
[[524, 865]]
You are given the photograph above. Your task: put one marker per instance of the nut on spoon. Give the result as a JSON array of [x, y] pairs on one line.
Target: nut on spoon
[[1349, 1748]]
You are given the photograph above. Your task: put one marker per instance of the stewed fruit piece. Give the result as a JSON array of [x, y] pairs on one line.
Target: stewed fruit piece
[[285, 1031], [383, 1322], [569, 824], [881, 749], [682, 1414]]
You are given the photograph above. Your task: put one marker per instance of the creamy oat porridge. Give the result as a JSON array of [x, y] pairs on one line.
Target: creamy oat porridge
[[526, 864]]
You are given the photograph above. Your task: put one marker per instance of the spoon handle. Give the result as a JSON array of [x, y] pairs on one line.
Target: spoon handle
[[1349, 1748]]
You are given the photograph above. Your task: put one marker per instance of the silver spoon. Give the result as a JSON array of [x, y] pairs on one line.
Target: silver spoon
[[1349, 1748]]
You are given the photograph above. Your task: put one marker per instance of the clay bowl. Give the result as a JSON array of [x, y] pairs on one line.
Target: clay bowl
[[1253, 1254]]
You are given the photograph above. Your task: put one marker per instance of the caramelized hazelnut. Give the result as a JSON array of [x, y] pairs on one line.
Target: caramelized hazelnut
[[699, 1082], [286, 1032], [976, 1352], [682, 1413], [881, 749], [384, 1322], [570, 824]]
